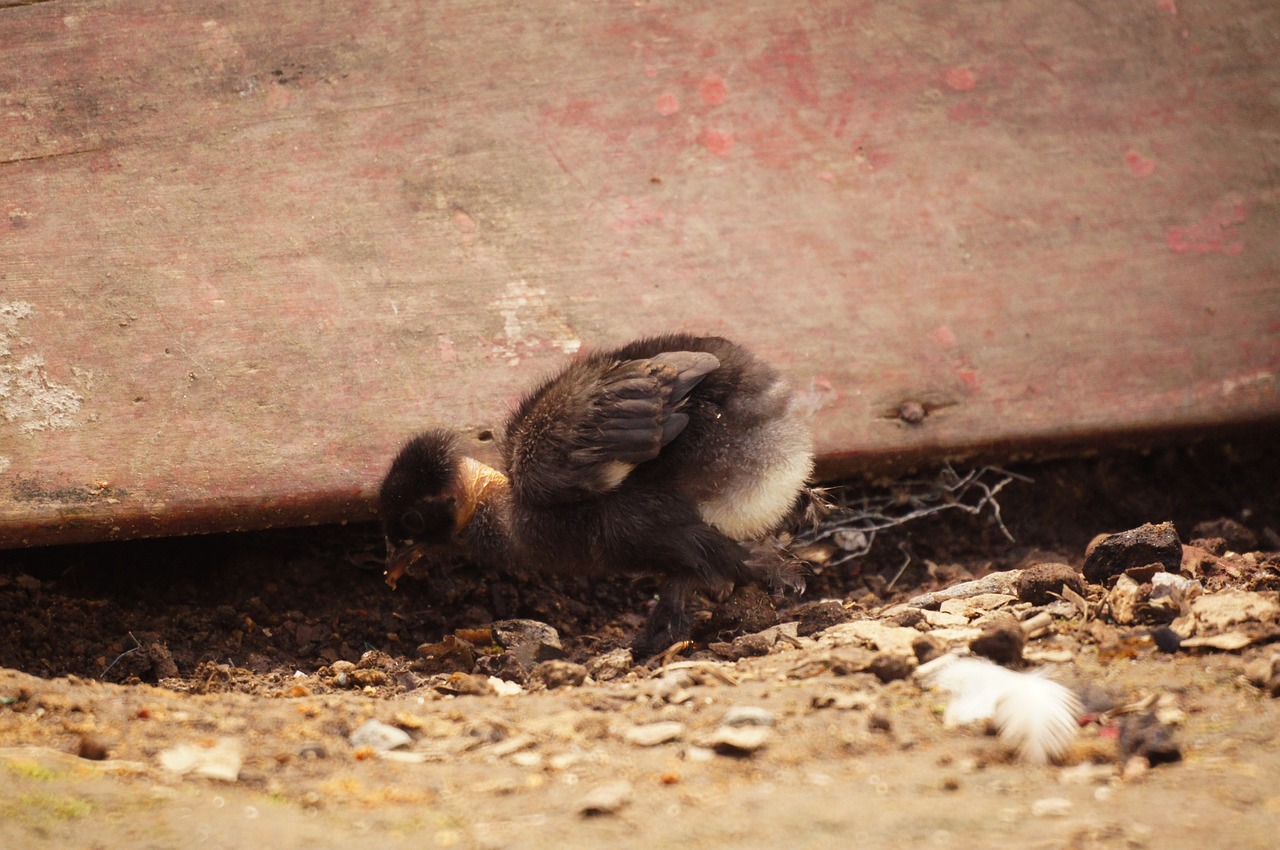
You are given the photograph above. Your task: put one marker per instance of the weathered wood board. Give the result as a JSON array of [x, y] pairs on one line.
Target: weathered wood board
[[247, 248]]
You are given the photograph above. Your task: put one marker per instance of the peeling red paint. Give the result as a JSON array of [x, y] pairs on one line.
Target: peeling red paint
[[789, 63], [960, 79], [668, 104], [943, 336], [719, 142], [1139, 165], [970, 113], [464, 222], [1212, 234], [713, 91]]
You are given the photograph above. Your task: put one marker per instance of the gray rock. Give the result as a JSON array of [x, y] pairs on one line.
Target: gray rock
[[379, 736], [612, 665], [529, 641]]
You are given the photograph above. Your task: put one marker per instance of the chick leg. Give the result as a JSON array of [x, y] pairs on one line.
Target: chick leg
[[669, 623]]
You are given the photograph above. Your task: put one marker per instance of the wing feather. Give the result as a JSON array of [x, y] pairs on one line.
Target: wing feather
[[582, 432]]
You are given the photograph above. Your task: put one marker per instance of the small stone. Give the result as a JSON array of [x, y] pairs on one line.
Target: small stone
[[1110, 555], [1166, 639], [890, 667], [162, 664], [747, 715], [465, 684], [1002, 641], [558, 674], [912, 412], [449, 655], [737, 740], [340, 674], [909, 617], [653, 734], [1051, 807], [819, 616], [366, 677], [375, 659], [503, 666], [93, 748], [1042, 583], [745, 646], [379, 737], [529, 641], [1234, 535], [878, 721], [1264, 673], [1126, 601], [606, 799], [505, 688], [1144, 735], [843, 700], [748, 610], [927, 648], [1001, 582], [221, 761], [612, 665]]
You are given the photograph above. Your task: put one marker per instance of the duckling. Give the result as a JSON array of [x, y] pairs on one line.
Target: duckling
[[673, 456]]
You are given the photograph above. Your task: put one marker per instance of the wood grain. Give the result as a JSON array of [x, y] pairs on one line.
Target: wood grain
[[247, 248]]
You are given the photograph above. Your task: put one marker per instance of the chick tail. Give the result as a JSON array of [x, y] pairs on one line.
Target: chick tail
[[1033, 713]]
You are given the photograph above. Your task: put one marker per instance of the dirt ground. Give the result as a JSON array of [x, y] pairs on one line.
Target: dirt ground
[[206, 691]]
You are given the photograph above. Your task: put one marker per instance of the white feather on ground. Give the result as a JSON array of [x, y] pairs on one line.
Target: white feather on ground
[[1035, 714]]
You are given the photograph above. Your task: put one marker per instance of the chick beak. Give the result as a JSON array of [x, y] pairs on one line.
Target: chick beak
[[400, 559], [478, 484]]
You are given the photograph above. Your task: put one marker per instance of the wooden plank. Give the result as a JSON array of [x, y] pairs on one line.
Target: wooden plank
[[246, 248]]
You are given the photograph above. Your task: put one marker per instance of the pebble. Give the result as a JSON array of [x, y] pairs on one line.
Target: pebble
[[927, 648], [612, 665], [606, 799], [1110, 555], [857, 701], [465, 684], [737, 740], [890, 666], [1234, 535], [503, 688], [1001, 582], [222, 761], [653, 734], [1042, 583], [1051, 807], [528, 641], [1264, 673], [747, 715], [558, 674], [93, 748], [819, 616], [1087, 773], [378, 736], [1002, 641]]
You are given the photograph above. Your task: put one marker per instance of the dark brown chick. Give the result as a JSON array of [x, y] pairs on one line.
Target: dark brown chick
[[670, 456], [435, 503]]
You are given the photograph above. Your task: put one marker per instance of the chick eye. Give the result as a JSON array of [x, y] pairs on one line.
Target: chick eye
[[412, 521]]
